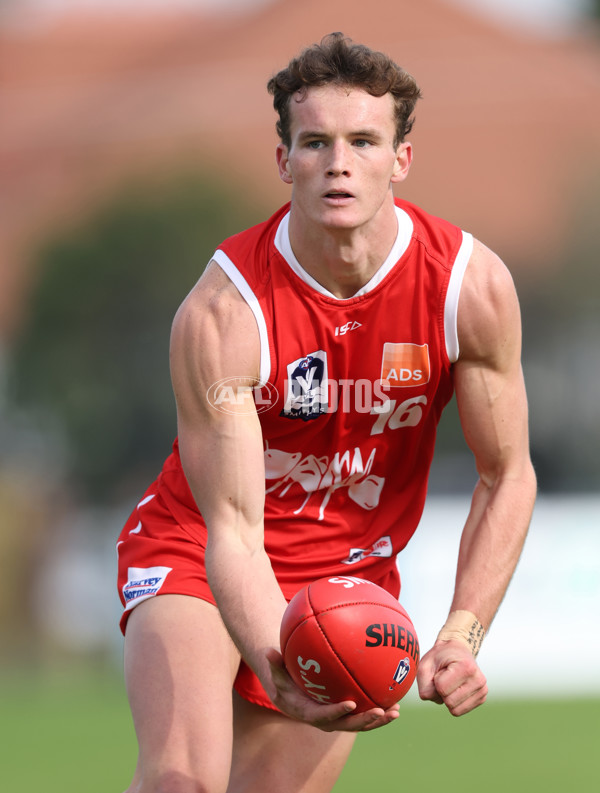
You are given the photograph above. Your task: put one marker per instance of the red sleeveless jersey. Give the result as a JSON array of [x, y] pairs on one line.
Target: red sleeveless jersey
[[353, 392]]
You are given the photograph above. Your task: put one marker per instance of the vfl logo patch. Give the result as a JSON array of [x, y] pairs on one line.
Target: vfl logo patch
[[306, 387], [404, 364], [401, 672], [143, 583]]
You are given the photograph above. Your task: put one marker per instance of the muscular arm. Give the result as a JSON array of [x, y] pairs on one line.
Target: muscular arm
[[215, 337], [492, 404], [493, 410]]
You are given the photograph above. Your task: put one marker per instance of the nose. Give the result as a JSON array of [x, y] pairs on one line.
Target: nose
[[338, 162]]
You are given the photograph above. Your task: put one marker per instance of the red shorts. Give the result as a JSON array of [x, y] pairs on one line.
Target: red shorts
[[158, 556]]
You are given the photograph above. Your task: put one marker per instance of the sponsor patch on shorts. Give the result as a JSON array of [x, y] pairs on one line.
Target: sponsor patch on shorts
[[383, 547], [143, 583]]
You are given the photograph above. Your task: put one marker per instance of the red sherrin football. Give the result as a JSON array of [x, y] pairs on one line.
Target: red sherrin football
[[347, 638]]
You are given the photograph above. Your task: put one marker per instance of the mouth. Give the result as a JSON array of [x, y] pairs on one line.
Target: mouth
[[338, 195]]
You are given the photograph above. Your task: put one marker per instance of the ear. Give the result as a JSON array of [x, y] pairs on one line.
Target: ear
[[403, 161], [283, 163]]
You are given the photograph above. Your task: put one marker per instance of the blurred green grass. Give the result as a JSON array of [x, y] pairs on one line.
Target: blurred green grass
[[522, 746], [66, 732], [73, 732]]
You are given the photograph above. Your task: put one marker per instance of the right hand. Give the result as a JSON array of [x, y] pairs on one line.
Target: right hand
[[449, 674], [289, 699]]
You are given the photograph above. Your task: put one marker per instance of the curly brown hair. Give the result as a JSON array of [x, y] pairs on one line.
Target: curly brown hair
[[338, 60]]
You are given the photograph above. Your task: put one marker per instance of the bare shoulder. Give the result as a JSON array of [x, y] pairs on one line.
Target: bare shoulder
[[214, 334], [213, 302], [489, 321]]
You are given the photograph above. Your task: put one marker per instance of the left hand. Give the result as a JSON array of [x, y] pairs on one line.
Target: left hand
[[448, 674], [292, 701]]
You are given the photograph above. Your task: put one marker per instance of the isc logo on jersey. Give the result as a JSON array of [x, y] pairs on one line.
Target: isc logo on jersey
[[404, 364]]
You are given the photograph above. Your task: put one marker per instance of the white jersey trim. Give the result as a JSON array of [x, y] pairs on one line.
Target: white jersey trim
[[232, 272], [452, 296], [283, 245]]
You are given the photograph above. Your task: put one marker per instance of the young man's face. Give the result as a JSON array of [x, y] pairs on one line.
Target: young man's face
[[342, 159]]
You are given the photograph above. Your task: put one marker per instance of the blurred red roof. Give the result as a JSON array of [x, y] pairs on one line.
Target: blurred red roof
[[507, 135]]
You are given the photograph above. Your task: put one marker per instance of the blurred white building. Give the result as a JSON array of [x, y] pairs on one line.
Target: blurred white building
[[545, 640]]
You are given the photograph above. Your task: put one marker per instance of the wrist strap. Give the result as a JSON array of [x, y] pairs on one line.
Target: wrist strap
[[464, 626]]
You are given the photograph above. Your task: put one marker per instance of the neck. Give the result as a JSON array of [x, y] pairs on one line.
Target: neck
[[342, 260]]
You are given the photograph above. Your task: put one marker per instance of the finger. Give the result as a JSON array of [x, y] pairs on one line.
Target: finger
[[332, 717], [275, 658], [428, 691], [373, 718], [464, 697], [432, 697], [294, 702], [469, 703], [457, 674], [290, 699], [328, 720], [388, 717], [361, 722]]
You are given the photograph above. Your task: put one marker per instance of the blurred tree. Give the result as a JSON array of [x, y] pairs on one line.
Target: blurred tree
[[91, 366], [92, 360]]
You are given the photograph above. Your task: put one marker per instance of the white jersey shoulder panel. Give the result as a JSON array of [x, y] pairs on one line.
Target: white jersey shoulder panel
[[246, 292]]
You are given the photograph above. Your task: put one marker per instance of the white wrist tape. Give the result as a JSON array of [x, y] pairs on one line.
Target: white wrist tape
[[464, 626]]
